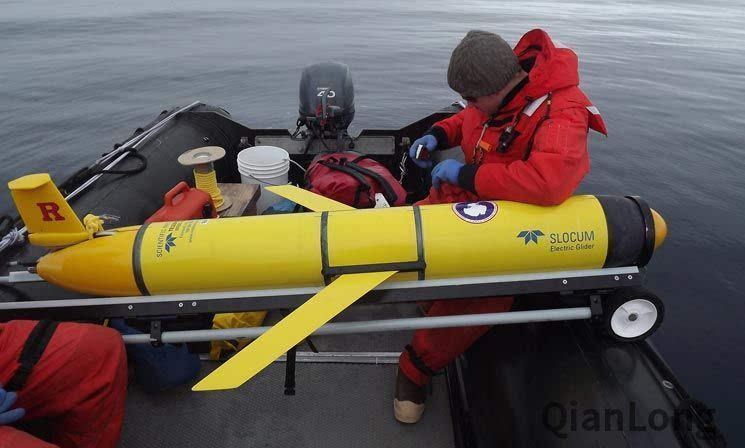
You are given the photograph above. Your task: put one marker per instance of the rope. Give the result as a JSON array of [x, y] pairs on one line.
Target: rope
[[13, 237], [208, 182], [94, 223], [297, 164], [402, 166]]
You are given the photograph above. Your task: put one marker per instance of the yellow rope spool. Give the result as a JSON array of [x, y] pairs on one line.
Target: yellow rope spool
[[208, 182], [202, 160]]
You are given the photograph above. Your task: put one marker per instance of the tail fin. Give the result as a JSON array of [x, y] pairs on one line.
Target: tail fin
[[49, 219]]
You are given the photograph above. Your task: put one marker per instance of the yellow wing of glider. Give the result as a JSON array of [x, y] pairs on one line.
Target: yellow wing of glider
[[291, 330], [307, 199]]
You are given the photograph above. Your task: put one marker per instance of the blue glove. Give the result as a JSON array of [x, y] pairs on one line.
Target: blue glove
[[7, 400], [446, 171], [430, 142]]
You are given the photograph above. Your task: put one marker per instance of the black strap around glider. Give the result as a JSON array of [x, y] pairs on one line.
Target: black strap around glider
[[418, 363], [32, 351]]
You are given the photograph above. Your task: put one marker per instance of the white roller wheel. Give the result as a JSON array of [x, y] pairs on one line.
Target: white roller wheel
[[634, 318]]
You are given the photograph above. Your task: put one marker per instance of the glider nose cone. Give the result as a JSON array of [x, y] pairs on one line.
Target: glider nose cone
[[660, 229], [100, 267]]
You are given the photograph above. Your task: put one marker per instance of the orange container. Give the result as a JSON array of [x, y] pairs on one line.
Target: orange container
[[183, 202]]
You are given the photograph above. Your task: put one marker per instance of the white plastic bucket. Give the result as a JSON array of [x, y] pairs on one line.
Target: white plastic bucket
[[264, 166]]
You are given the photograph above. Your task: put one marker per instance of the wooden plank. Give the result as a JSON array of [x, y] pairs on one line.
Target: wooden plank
[[243, 198]]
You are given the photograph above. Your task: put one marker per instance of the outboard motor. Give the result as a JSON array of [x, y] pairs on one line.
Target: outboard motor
[[326, 101]]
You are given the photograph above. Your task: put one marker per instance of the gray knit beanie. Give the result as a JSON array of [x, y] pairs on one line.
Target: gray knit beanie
[[482, 64]]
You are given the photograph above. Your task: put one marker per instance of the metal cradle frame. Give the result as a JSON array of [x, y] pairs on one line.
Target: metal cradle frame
[[590, 282]]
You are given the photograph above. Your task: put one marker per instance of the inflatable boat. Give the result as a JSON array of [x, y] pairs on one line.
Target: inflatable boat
[[575, 344]]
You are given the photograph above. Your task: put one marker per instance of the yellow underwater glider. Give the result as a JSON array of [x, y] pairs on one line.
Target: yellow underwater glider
[[349, 251]]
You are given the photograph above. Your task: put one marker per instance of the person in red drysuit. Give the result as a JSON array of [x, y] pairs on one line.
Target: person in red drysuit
[[524, 138], [79, 385]]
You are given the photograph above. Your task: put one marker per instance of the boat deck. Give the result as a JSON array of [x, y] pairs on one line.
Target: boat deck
[[336, 405]]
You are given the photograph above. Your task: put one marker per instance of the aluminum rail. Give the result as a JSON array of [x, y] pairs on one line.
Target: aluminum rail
[[393, 292], [20, 277], [377, 326], [29, 277]]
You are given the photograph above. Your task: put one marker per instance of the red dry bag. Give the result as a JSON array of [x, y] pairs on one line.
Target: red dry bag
[[353, 179]]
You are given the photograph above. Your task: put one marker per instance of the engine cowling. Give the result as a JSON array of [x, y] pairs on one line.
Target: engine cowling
[[326, 96]]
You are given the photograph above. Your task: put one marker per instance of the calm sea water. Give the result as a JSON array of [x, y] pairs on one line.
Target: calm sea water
[[78, 76]]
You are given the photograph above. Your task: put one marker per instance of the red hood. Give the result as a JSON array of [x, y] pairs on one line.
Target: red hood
[[555, 66]]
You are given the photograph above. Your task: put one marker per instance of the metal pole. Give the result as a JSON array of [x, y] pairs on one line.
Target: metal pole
[[134, 141], [374, 326], [20, 277], [345, 357]]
